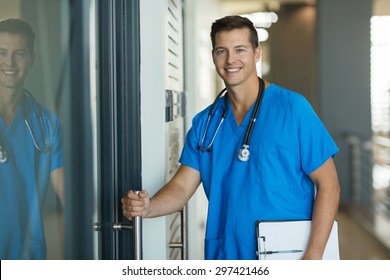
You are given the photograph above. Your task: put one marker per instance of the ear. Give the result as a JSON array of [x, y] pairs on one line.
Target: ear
[[258, 53], [32, 55]]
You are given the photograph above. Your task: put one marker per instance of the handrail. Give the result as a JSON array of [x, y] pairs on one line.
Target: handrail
[[369, 161], [382, 141], [182, 245]]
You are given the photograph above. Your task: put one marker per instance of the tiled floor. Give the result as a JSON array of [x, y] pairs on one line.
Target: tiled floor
[[356, 243]]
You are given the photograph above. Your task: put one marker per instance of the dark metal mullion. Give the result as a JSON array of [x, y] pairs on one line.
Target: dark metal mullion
[[129, 139], [117, 114], [107, 136], [115, 119], [120, 118], [78, 150]]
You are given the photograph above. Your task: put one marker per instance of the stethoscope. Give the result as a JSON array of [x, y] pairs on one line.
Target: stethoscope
[[244, 153], [26, 115]]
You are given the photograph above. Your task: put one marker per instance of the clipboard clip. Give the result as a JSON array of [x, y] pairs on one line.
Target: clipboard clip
[[264, 251], [281, 252]]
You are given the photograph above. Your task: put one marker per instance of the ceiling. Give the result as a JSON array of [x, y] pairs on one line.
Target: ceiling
[[249, 6], [380, 7]]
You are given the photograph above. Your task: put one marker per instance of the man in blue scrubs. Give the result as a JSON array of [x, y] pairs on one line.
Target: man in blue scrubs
[[30, 149], [290, 174]]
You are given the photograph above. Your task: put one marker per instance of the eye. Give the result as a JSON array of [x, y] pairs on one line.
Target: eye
[[220, 52], [3, 53], [241, 50], [21, 54]]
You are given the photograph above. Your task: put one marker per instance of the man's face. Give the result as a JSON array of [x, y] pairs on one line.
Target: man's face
[[234, 56], [15, 60]]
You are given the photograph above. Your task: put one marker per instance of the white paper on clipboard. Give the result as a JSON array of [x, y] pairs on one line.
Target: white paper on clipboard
[[287, 240]]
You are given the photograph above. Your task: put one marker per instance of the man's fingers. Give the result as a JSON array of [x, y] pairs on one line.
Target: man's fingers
[[133, 213], [143, 194], [133, 203]]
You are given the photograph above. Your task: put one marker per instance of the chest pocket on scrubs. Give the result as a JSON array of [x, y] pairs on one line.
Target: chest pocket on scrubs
[[277, 165]]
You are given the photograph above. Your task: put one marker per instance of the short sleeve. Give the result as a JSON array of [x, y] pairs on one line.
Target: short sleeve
[[316, 144], [56, 151], [190, 153]]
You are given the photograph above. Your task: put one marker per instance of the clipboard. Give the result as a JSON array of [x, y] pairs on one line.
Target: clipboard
[[287, 240]]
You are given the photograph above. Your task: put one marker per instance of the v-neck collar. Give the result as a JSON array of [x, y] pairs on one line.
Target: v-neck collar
[[232, 119], [18, 118]]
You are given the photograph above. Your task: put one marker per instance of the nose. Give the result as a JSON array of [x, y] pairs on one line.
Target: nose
[[231, 57], [8, 59]]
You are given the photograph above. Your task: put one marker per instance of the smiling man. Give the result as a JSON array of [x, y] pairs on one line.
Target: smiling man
[[260, 152], [30, 148]]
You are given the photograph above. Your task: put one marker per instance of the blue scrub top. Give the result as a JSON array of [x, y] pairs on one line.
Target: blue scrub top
[[24, 179], [288, 143]]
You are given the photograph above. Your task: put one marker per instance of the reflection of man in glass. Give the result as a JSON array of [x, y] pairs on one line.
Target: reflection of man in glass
[[30, 149]]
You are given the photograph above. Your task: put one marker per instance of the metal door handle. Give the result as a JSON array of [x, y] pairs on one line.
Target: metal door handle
[[137, 237], [136, 226]]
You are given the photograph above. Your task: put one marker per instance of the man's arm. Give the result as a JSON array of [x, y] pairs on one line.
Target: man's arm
[[57, 180], [170, 198], [325, 208]]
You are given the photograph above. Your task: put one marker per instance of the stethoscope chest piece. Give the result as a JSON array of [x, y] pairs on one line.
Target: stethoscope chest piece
[[244, 153], [3, 155]]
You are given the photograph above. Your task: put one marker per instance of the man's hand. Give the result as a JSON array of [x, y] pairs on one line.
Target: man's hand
[[135, 204]]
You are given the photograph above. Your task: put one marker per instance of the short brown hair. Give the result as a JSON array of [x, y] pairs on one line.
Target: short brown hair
[[18, 26], [229, 23]]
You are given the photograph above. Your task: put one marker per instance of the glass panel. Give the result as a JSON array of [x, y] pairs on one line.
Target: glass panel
[[31, 211], [380, 123], [93, 43]]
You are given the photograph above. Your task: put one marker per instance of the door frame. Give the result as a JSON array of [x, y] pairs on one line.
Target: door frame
[[120, 121], [118, 129]]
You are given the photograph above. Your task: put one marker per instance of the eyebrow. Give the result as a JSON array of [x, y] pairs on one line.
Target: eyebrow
[[235, 47], [241, 46], [17, 50]]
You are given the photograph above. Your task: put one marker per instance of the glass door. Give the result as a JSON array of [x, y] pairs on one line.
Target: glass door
[[86, 72]]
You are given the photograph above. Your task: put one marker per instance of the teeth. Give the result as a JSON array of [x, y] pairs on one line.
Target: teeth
[[9, 72], [233, 70]]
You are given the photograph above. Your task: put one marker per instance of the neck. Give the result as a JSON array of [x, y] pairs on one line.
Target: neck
[[9, 103], [242, 98]]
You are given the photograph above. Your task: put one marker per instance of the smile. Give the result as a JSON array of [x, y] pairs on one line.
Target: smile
[[233, 70], [9, 72]]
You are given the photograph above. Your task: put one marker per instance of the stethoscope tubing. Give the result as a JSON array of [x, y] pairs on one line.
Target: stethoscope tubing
[[256, 110], [211, 111], [243, 153], [26, 113], [38, 112]]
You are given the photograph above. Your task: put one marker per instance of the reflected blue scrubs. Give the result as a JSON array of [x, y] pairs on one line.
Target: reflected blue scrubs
[[24, 179], [288, 143]]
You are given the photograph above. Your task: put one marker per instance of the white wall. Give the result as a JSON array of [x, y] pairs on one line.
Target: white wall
[[152, 31], [200, 86]]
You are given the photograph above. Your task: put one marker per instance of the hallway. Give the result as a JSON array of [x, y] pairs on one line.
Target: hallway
[[356, 243]]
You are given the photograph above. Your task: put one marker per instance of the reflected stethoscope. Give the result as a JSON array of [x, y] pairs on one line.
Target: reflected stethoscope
[[27, 111], [243, 153]]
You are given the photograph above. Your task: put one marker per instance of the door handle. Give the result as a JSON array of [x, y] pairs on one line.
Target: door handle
[[137, 237], [119, 226], [136, 226]]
